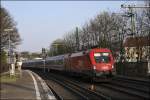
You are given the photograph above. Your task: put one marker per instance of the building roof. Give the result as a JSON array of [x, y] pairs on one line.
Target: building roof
[[137, 41]]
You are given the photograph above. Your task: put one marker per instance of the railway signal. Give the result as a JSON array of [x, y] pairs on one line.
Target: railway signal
[[44, 57]]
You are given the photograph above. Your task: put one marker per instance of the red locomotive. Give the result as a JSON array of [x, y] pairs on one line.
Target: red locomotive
[[92, 63]]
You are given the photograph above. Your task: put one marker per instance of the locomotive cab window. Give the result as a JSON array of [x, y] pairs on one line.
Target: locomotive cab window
[[102, 57]]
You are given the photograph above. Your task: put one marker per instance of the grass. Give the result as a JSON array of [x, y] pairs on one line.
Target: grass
[[6, 78]]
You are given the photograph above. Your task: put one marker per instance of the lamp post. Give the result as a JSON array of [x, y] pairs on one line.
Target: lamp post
[[10, 52]]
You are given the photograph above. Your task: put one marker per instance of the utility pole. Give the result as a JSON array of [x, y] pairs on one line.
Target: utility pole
[[132, 15], [11, 56], [77, 39]]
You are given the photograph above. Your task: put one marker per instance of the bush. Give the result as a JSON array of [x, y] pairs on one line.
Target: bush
[[3, 64]]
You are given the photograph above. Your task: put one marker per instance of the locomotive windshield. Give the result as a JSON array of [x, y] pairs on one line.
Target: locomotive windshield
[[102, 57]]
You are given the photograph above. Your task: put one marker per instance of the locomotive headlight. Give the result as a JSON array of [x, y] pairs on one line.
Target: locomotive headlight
[[94, 67]]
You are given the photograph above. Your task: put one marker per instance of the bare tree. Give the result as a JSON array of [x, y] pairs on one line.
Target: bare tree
[[103, 27], [99, 31], [70, 42]]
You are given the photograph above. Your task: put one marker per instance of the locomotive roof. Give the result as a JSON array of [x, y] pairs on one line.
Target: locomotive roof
[[87, 51], [100, 50]]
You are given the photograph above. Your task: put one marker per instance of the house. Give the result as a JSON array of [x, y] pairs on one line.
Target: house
[[137, 49]]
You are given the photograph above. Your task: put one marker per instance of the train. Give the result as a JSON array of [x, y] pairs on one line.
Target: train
[[93, 63]]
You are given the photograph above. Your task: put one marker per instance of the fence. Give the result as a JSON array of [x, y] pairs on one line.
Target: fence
[[133, 69]]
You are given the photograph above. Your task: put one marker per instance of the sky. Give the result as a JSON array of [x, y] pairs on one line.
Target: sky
[[41, 22]]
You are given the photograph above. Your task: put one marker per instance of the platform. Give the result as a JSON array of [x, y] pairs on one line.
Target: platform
[[27, 85]]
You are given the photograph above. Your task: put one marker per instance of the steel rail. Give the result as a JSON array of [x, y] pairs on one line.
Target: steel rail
[[58, 97], [127, 91], [129, 85], [83, 92], [133, 80]]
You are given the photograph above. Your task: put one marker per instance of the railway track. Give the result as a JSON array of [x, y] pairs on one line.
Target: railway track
[[103, 91], [111, 87], [58, 97], [143, 82], [111, 90], [84, 93], [140, 95], [134, 90], [131, 87], [136, 87]]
